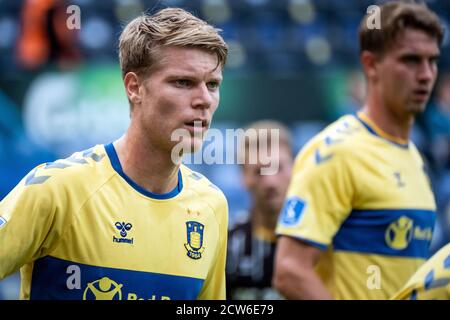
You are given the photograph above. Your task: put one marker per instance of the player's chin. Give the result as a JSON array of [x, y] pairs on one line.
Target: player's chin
[[186, 146], [193, 144], [274, 203], [417, 108]]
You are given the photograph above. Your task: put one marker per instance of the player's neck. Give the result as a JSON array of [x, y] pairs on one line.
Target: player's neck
[[261, 217], [386, 120], [146, 165]]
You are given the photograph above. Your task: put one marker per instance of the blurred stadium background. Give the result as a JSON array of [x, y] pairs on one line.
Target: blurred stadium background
[[295, 61]]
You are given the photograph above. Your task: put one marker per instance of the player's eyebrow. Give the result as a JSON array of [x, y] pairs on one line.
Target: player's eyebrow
[[418, 56], [410, 56], [190, 76], [435, 56], [216, 79]]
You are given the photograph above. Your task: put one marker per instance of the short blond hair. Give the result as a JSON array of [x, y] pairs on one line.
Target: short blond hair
[[143, 36]]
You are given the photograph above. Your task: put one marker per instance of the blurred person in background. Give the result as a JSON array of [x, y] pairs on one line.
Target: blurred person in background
[[358, 219], [437, 125], [251, 245], [44, 37], [124, 220], [437, 120]]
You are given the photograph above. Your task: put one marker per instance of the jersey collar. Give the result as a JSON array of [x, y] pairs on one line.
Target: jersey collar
[[375, 130], [114, 159]]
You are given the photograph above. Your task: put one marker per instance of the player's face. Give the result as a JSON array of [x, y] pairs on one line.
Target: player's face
[[183, 89], [269, 191], [407, 72]]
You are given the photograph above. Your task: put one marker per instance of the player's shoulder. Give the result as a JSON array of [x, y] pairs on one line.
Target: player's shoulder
[[434, 273], [419, 156], [441, 259], [203, 188], [85, 167], [445, 251], [343, 136], [435, 267]]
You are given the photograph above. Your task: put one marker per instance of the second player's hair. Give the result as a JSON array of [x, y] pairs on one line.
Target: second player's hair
[[395, 17], [285, 138]]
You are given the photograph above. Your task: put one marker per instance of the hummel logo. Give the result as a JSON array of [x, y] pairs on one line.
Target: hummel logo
[[398, 177], [319, 158], [2, 221], [123, 227], [33, 179]]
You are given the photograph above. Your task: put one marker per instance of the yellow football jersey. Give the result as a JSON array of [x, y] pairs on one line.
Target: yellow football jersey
[[82, 229], [431, 281], [364, 198]]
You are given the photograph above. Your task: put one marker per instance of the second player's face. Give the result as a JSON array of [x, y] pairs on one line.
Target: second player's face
[[407, 72], [269, 191], [183, 89]]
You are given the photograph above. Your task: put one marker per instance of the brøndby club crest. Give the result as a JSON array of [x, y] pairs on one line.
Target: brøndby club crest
[[194, 245]]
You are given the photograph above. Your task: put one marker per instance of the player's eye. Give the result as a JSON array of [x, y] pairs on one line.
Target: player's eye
[[183, 83], [213, 85], [411, 59], [434, 60]]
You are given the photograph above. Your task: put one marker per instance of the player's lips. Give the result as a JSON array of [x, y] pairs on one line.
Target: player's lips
[[421, 94], [197, 125], [271, 194]]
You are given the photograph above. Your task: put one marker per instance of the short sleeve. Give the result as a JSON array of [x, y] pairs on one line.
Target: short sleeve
[[27, 223], [319, 197]]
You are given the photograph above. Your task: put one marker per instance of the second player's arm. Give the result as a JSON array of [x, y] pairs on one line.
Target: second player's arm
[[294, 275]]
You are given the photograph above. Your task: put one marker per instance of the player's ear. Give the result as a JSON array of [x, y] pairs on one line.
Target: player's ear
[[369, 63], [131, 81]]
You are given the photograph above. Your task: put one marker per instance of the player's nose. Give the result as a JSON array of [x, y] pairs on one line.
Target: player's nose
[[202, 97], [426, 72]]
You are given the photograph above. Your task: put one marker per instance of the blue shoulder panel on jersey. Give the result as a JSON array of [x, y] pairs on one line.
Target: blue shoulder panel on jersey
[[118, 167], [393, 232], [66, 280]]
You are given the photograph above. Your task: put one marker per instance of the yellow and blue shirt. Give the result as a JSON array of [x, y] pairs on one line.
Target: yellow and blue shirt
[[82, 229], [364, 198], [431, 281]]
